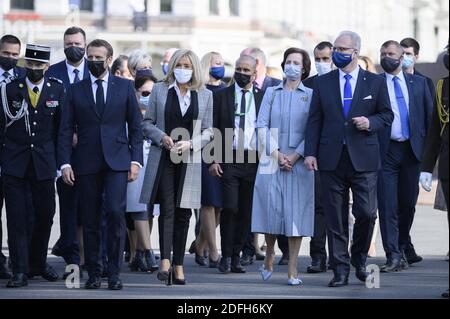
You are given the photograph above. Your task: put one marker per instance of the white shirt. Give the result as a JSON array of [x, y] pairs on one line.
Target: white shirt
[[396, 128], [104, 84], [31, 86], [2, 78], [71, 68], [185, 101], [250, 117], [353, 81]]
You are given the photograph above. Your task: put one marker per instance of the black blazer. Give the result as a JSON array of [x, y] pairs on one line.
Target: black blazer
[[59, 71], [223, 114], [327, 127], [269, 82]]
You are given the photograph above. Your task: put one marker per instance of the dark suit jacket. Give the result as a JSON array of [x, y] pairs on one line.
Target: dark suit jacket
[[309, 82], [18, 146], [59, 71], [327, 127], [223, 114], [420, 108], [19, 72], [437, 144], [269, 82], [429, 83], [101, 138]]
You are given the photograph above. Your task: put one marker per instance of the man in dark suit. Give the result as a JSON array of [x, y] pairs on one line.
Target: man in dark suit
[[71, 70], [29, 124], [401, 147], [235, 112], [107, 155], [9, 71], [348, 109]]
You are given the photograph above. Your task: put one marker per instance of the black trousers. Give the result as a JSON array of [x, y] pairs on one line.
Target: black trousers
[[250, 250], [173, 221], [444, 184], [335, 188], [235, 220], [2, 257], [28, 229], [91, 189], [398, 189]]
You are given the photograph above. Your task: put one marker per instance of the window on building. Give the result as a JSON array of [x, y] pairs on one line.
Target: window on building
[[234, 7], [166, 6], [214, 7], [87, 5], [22, 4]]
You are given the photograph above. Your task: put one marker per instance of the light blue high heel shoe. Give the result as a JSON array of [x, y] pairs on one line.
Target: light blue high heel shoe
[[265, 274], [294, 282]]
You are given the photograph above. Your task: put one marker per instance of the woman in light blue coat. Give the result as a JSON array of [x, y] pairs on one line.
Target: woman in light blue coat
[[283, 202]]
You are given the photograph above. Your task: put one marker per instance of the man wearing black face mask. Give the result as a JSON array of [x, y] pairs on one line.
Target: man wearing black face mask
[[29, 122], [401, 148], [71, 70], [235, 111]]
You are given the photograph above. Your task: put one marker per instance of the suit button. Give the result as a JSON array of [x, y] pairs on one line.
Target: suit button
[[36, 112], [32, 145], [33, 134], [34, 123], [346, 123]]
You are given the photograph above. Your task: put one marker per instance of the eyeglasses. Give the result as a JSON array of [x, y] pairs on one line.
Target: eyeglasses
[[146, 93], [343, 49]]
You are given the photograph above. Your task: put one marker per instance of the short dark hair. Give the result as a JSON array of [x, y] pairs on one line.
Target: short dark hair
[[306, 60], [118, 64], [141, 80], [75, 30], [11, 39], [410, 42], [101, 43], [323, 45]]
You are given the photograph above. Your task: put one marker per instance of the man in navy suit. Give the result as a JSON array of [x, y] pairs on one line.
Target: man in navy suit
[[349, 108], [71, 70], [109, 153], [9, 55], [402, 147]]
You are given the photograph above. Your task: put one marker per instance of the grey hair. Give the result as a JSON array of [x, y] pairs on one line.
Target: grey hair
[[249, 58], [257, 53], [356, 38], [137, 60]]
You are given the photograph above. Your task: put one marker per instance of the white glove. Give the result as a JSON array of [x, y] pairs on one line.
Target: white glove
[[425, 180]]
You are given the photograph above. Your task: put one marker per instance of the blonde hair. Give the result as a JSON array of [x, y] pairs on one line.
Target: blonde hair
[[137, 60], [368, 62], [196, 82], [206, 64]]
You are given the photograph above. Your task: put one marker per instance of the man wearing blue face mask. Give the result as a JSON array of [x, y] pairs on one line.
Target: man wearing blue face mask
[[349, 108]]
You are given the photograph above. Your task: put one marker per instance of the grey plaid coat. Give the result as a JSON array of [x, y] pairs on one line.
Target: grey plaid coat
[[153, 128]]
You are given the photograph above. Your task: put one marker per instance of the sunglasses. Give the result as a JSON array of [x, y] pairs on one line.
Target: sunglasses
[[146, 93]]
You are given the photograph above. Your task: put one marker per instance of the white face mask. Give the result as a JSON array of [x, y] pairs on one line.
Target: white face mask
[[323, 68], [182, 76], [293, 72]]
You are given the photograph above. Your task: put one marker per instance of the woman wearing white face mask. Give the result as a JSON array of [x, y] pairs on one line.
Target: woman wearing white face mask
[[178, 121], [283, 201]]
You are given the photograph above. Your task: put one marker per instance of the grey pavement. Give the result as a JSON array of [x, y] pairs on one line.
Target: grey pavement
[[424, 280]]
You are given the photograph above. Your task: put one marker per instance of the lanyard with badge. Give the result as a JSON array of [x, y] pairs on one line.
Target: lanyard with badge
[[248, 106]]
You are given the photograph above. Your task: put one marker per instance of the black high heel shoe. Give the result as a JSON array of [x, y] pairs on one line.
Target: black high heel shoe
[[177, 281], [165, 276]]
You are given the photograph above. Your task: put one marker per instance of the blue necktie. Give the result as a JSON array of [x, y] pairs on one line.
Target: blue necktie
[[76, 78], [348, 95], [402, 108]]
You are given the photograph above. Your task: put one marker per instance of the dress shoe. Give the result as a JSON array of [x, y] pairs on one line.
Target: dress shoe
[[48, 273], [392, 265], [163, 275], [412, 257], [338, 281], [294, 282], [236, 267], [284, 261], [212, 263], [265, 274], [225, 265], [361, 273], [141, 264], [317, 266], [247, 260], [445, 294], [150, 259], [193, 248], [17, 281], [4, 273], [200, 260], [404, 264], [177, 281], [56, 251], [93, 283], [259, 256], [115, 284]]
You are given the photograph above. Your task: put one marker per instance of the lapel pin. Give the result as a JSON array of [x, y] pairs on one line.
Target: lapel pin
[[21, 85], [48, 84]]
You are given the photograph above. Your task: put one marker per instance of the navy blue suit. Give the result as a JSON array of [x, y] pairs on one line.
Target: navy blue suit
[[348, 159], [67, 244], [269, 82], [107, 144], [398, 180]]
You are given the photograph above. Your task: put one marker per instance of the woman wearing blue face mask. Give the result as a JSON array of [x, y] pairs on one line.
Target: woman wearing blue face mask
[[139, 217], [283, 201]]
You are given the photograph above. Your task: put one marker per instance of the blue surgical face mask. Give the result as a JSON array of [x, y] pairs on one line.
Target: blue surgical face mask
[[144, 100], [408, 61], [165, 68], [217, 72], [293, 72], [341, 60]]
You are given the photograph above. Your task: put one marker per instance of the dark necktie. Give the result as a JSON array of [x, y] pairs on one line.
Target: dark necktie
[[36, 90], [241, 136], [100, 97], [76, 79], [6, 76], [402, 108]]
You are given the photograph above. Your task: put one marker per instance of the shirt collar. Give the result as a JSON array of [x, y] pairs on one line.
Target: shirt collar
[[401, 76], [301, 86], [354, 73], [32, 85], [105, 79], [70, 67], [238, 89], [11, 72], [177, 89]]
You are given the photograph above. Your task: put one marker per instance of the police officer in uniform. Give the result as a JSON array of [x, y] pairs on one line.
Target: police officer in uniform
[[29, 121]]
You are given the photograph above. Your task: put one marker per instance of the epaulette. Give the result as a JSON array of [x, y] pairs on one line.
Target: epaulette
[[55, 80]]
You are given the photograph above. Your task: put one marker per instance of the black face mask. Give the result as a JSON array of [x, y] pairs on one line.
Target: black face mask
[[242, 79], [7, 63], [446, 61], [389, 64], [35, 75], [74, 54], [97, 68]]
